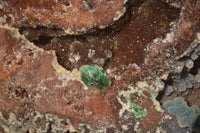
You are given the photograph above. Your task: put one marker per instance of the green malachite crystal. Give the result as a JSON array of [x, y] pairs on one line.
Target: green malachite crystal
[[139, 113], [92, 76]]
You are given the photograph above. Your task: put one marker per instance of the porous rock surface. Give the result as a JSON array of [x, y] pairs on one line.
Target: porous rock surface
[[31, 78], [40, 85], [73, 16]]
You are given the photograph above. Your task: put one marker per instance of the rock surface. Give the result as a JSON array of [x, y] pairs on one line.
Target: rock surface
[[149, 51], [73, 16]]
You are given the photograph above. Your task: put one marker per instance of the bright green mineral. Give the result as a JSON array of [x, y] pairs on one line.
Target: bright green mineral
[[139, 113], [92, 76]]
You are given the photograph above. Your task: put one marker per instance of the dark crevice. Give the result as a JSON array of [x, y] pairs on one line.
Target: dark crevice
[[178, 76], [49, 128], [194, 70], [39, 27], [184, 72], [43, 36], [33, 33], [107, 62], [95, 31], [81, 38], [169, 80], [161, 93], [196, 125], [42, 40], [160, 96]]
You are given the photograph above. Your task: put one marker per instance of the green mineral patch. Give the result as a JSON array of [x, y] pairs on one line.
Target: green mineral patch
[[92, 76], [138, 113]]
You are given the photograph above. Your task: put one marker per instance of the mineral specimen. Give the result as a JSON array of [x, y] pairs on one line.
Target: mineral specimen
[[178, 107], [92, 76]]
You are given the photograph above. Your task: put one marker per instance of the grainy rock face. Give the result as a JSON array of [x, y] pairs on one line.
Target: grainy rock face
[[149, 50], [183, 84], [30, 78], [74, 16]]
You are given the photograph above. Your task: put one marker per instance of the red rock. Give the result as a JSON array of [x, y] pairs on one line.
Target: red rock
[[29, 79], [153, 117], [74, 16]]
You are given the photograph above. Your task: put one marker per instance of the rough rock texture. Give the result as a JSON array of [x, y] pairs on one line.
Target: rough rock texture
[[115, 46], [31, 78], [150, 53], [73, 16], [182, 87]]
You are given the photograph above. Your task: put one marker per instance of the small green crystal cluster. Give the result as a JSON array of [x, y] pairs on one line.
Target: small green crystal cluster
[[92, 76], [138, 113]]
